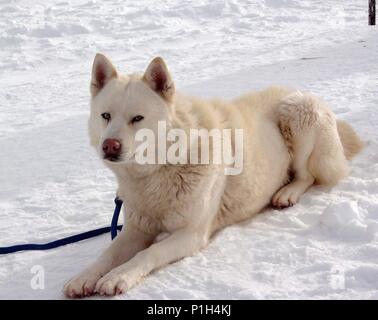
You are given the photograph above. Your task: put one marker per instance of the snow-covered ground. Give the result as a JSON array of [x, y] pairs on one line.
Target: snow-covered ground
[[52, 184]]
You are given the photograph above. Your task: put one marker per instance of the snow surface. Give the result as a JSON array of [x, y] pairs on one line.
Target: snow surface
[[53, 185]]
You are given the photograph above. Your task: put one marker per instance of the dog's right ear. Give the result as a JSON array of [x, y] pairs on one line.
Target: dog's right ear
[[102, 72]]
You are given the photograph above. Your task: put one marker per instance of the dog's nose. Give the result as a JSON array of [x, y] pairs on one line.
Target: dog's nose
[[111, 147]]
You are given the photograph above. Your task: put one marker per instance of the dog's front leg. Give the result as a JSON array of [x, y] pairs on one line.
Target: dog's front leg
[[124, 247], [182, 243]]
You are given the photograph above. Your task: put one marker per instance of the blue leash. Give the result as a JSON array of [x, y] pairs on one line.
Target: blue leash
[[71, 239]]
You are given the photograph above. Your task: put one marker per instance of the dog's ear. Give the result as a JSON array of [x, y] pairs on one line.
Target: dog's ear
[[158, 79], [102, 72]]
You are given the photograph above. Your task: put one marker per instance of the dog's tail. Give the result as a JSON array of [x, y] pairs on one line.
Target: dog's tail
[[351, 142]]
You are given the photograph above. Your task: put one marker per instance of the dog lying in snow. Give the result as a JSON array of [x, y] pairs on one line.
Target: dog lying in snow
[[291, 140]]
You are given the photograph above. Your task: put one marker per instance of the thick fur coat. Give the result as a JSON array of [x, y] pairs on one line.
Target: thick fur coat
[[291, 141]]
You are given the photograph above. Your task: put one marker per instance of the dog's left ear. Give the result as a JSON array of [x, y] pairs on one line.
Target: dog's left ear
[[158, 79]]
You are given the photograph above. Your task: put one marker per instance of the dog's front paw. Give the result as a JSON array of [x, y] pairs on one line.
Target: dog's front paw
[[115, 282], [81, 286]]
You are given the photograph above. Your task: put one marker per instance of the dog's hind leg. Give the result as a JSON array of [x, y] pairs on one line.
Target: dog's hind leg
[[310, 131], [289, 194]]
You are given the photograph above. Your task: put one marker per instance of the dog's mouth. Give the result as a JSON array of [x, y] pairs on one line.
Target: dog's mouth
[[118, 159], [112, 158]]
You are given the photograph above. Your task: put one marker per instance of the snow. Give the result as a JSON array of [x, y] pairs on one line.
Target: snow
[[52, 184], [344, 220]]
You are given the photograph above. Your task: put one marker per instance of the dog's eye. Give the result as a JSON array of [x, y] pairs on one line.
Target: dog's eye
[[137, 119], [106, 116]]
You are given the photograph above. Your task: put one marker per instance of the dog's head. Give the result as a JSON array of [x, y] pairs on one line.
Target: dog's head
[[123, 104]]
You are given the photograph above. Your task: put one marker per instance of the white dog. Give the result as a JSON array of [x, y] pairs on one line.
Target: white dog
[[291, 140]]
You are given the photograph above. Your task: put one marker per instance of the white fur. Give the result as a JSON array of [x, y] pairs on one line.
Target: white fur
[[284, 131]]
